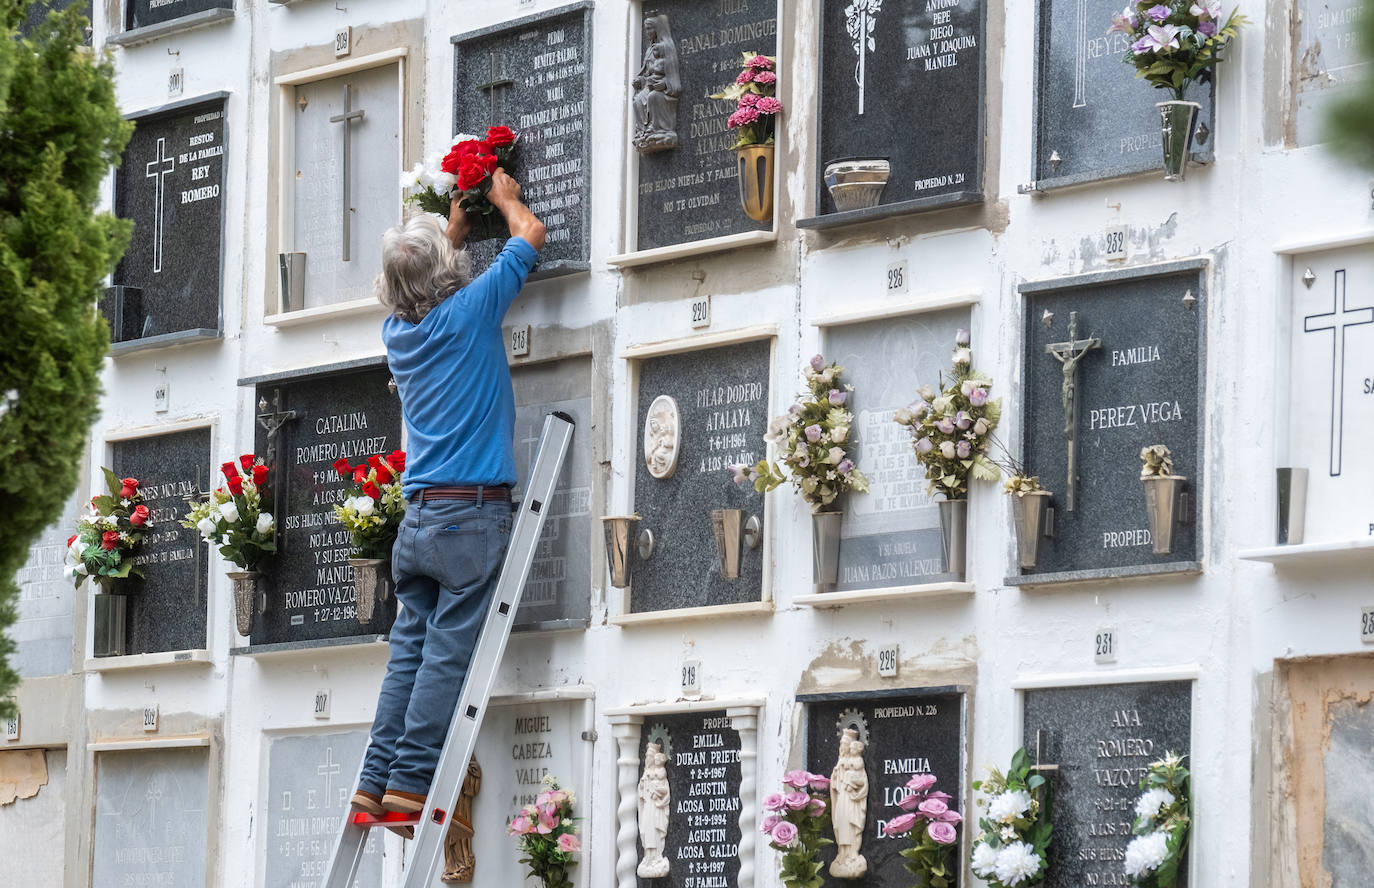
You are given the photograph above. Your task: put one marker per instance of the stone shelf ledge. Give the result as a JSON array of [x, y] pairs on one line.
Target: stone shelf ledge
[[202, 19], [888, 211], [324, 312], [178, 741], [1041, 187], [165, 340], [1340, 553], [711, 612], [693, 248], [160, 660], [892, 593], [1098, 575], [288, 650]]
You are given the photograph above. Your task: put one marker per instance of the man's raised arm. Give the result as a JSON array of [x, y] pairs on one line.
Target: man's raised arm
[[505, 195]]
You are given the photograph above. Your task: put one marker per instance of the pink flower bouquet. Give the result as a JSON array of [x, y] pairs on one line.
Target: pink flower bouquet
[[795, 821], [934, 830], [547, 831], [755, 94]]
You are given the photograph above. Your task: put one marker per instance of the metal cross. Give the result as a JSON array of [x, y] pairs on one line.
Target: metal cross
[[494, 81], [346, 118], [1069, 354], [273, 423], [1080, 62], [1337, 320], [1040, 753], [157, 170]]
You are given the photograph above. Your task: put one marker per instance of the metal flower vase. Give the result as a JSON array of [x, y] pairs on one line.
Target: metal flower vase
[[1161, 505], [825, 549], [111, 617], [245, 598], [755, 164], [725, 526], [1292, 505], [370, 585], [618, 549], [1177, 123], [954, 534], [1030, 513]]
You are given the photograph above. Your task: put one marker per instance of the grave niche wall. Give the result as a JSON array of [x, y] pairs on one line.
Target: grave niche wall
[[1327, 61], [38, 12], [43, 630], [151, 817], [142, 13], [34, 825]]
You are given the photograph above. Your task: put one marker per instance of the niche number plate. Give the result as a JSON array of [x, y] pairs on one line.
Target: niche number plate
[[897, 278], [1367, 625], [1116, 243], [887, 661], [691, 677], [701, 312], [1104, 645]]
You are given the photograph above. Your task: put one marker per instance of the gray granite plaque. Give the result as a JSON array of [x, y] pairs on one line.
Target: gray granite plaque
[[891, 535], [1094, 119], [151, 818], [345, 414], [37, 13], [924, 57], [141, 13], [167, 609], [534, 75], [43, 630], [558, 591], [309, 783], [1141, 385], [171, 184], [904, 733], [689, 192], [1103, 738], [722, 401], [1347, 854], [1328, 61]]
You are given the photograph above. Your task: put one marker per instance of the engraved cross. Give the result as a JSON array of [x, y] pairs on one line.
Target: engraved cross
[[1337, 320], [495, 80], [328, 769], [1069, 354], [157, 170], [346, 118]]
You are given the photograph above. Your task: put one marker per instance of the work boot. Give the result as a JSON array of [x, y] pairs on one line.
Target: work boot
[[367, 802], [414, 803]]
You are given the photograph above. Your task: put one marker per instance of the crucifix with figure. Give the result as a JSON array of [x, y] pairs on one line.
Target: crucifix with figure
[[1069, 354], [1337, 321], [495, 80], [157, 169], [346, 118]]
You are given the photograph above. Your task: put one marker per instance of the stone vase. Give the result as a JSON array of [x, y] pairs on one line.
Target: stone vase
[[1292, 505], [245, 598], [1161, 506], [370, 585], [755, 163], [1177, 123], [857, 183], [726, 526], [954, 534], [825, 549], [111, 617], [1030, 516]]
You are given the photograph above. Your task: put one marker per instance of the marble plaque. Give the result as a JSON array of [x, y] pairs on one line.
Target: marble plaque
[[891, 535], [722, 396], [534, 75], [1103, 738], [341, 266], [310, 583], [171, 185], [141, 13], [921, 56], [1328, 61], [703, 752], [43, 630], [151, 818], [309, 783], [558, 591], [1140, 386], [1347, 855], [690, 192], [1330, 415], [1094, 119], [167, 609], [904, 733]]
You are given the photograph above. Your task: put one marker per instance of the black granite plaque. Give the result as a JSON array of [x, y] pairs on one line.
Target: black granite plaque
[[921, 57], [689, 192], [142, 13], [534, 75], [170, 184], [1103, 738], [702, 845], [722, 403], [345, 414], [167, 608], [37, 12], [904, 733], [558, 592], [1141, 385], [1094, 118]]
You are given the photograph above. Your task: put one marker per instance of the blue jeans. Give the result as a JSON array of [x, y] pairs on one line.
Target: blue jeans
[[445, 562]]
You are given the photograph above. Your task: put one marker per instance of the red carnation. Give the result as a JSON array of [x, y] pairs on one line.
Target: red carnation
[[454, 159], [342, 467], [384, 475], [236, 485], [259, 475], [372, 490], [108, 540], [247, 462], [397, 460], [71, 539], [140, 516], [374, 461], [488, 162], [500, 136], [129, 489], [360, 475], [470, 174], [230, 470]]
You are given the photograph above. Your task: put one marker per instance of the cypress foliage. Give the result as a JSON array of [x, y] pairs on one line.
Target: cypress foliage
[[60, 134], [1352, 120]]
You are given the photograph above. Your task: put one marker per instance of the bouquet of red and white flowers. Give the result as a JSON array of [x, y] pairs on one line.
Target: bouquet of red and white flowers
[[233, 518], [108, 535], [547, 831], [465, 171], [374, 506]]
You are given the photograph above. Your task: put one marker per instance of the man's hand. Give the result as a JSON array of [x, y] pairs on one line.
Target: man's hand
[[505, 196], [459, 225]]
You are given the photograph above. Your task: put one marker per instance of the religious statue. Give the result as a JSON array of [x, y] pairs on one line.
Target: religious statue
[[849, 807], [653, 813], [459, 860], [656, 89], [661, 437]]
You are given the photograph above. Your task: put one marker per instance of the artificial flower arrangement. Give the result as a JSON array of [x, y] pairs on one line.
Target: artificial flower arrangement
[[1176, 43], [795, 821], [108, 536], [757, 107], [232, 516], [373, 507], [951, 429], [1013, 838], [812, 438], [547, 833], [933, 827], [1156, 462], [466, 171], [1162, 821]]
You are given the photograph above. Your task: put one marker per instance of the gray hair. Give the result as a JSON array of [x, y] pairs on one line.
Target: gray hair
[[420, 268]]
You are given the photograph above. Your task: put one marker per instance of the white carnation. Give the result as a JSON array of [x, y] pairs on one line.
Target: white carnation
[[1146, 853], [1151, 800], [364, 506], [230, 511], [207, 527], [265, 522], [984, 860], [444, 182], [1009, 805], [1016, 863]]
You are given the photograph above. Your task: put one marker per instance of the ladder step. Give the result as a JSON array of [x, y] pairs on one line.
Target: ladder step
[[390, 818]]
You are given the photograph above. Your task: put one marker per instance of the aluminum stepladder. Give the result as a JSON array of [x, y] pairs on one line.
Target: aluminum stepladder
[[431, 824]]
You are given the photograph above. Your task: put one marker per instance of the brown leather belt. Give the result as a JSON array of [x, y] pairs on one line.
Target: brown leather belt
[[500, 493]]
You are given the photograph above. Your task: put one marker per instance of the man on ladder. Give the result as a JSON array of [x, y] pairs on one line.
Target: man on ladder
[[448, 357]]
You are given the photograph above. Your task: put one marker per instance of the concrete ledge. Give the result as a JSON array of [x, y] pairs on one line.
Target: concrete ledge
[[190, 22], [286, 650], [1340, 553], [1097, 575], [1057, 183], [892, 593], [325, 312], [695, 248], [710, 612], [888, 211], [922, 305], [160, 660], [557, 269], [545, 626], [150, 742], [165, 340]]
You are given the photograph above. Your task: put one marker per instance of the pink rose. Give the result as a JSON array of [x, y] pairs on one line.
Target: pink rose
[[773, 802], [911, 802], [785, 834], [819, 783], [548, 819], [766, 827], [569, 843], [520, 826], [932, 807], [951, 817], [921, 782], [815, 808], [796, 800], [798, 779], [942, 796], [942, 832], [900, 825]]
